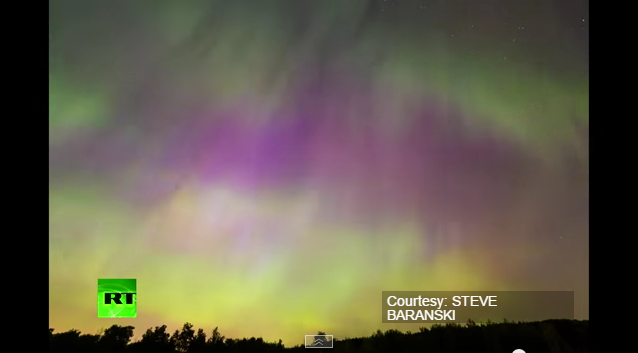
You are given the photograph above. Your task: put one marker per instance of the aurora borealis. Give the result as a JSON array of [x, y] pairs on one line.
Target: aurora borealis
[[269, 167]]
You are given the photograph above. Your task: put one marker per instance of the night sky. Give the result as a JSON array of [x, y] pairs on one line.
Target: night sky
[[269, 167]]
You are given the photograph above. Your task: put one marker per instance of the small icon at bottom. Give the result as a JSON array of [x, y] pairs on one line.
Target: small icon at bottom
[[318, 341]]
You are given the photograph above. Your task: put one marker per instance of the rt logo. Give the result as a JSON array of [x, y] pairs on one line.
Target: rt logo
[[116, 298]]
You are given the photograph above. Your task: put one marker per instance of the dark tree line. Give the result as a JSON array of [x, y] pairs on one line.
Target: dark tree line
[[552, 336]]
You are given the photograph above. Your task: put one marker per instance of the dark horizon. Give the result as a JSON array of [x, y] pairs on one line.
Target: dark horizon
[[538, 336]]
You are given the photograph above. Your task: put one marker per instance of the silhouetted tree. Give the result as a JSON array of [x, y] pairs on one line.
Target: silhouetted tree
[[546, 336], [198, 344], [157, 340], [216, 340], [184, 338], [115, 338]]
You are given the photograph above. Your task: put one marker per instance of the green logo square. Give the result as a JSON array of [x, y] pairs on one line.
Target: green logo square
[[116, 298]]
